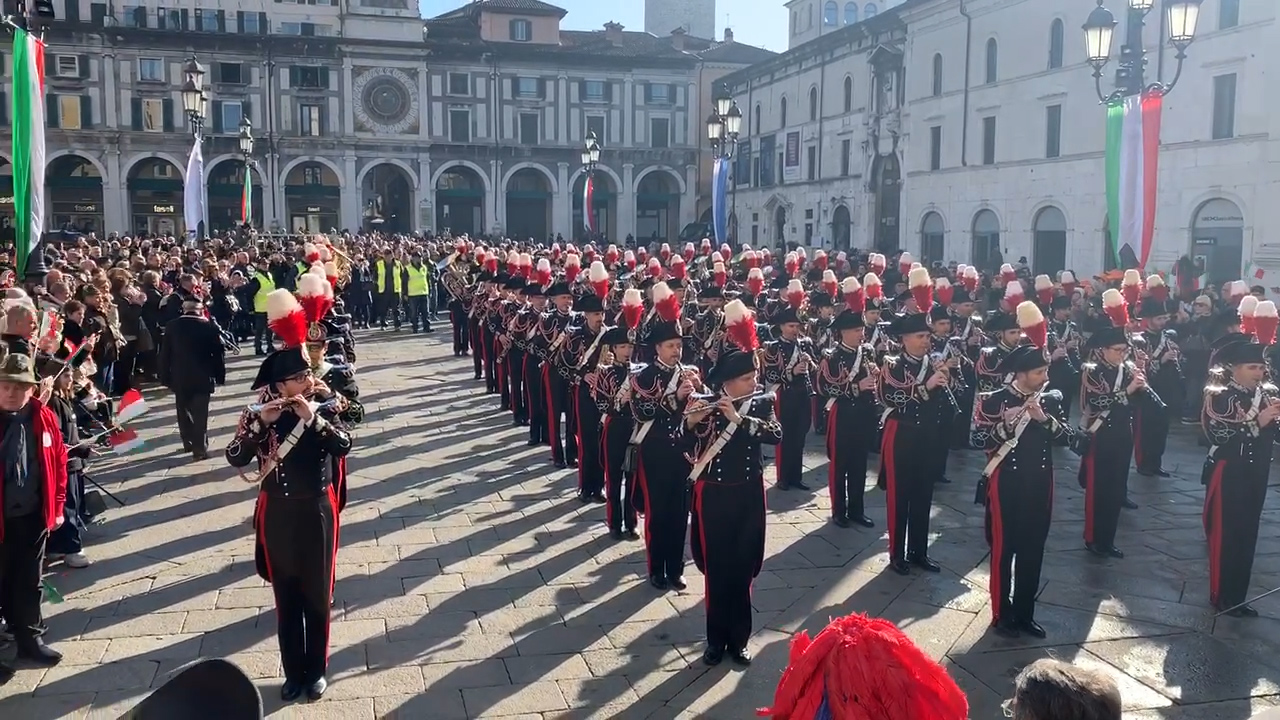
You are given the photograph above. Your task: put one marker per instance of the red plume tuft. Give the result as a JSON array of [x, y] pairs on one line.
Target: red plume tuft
[[572, 266], [1265, 323], [795, 294], [755, 281], [718, 274], [611, 255], [678, 269], [632, 308], [740, 326], [689, 252], [854, 298], [943, 292], [286, 318], [666, 303], [315, 298], [491, 264], [599, 279], [1115, 307], [665, 252], [792, 263]]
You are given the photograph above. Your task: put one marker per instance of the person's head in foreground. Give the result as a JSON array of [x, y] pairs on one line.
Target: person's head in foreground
[[862, 668], [1054, 690]]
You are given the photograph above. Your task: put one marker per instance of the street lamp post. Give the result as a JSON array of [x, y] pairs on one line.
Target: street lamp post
[[723, 127], [1099, 30], [246, 154], [195, 103], [590, 159]]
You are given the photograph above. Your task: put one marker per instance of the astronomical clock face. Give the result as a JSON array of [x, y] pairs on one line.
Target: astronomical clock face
[[386, 101]]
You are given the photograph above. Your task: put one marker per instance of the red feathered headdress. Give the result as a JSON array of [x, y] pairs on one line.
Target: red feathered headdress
[[678, 269], [572, 266], [599, 279], [1032, 323], [1248, 311], [315, 296], [943, 292], [854, 299], [740, 326], [632, 308], [921, 288], [755, 281], [1131, 286], [286, 318], [1115, 307], [1265, 322], [666, 303]]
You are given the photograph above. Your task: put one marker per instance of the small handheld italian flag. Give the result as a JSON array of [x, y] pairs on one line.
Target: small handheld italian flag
[[1133, 149], [132, 405], [124, 440]]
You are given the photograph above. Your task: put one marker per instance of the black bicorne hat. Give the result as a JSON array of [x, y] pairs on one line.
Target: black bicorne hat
[[1151, 307], [616, 336], [1106, 337], [819, 300], [281, 365], [847, 320], [1240, 352], [939, 312], [1060, 302], [663, 331], [909, 323], [588, 303], [731, 364], [559, 288], [999, 321], [710, 292], [784, 315], [1023, 358]]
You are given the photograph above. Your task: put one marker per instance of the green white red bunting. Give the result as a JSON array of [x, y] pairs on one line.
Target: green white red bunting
[[28, 142], [1133, 148]]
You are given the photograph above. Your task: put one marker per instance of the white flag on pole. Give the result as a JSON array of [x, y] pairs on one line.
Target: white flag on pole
[[193, 192]]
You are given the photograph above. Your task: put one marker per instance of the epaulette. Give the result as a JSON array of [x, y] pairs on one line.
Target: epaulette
[[1214, 389], [988, 350], [1088, 365]]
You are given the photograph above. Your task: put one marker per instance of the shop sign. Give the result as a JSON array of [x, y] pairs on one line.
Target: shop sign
[[6, 200], [313, 208], [162, 209], [86, 208]]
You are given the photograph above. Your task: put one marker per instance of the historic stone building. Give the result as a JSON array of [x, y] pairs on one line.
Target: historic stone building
[[970, 131], [365, 115]]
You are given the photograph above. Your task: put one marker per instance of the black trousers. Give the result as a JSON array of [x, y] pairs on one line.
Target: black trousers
[[560, 402], [193, 419], [1104, 476], [502, 373], [518, 401], [21, 563], [477, 346], [261, 334], [386, 305], [461, 335], [535, 387], [1019, 509], [664, 485], [126, 365], [360, 307], [590, 465], [1233, 500], [1150, 435], [620, 512], [794, 407], [299, 542], [851, 434], [417, 307], [910, 464], [490, 360], [727, 544]]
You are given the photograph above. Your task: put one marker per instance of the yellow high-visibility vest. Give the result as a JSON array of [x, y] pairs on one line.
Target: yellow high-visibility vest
[[265, 286], [381, 276], [417, 280]]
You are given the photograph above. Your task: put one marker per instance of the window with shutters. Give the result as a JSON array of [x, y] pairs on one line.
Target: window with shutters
[[151, 70], [459, 84], [459, 125], [310, 120], [152, 115], [521, 30], [1224, 107], [594, 91], [68, 66], [988, 141], [528, 88], [596, 124], [69, 117], [232, 113], [657, 94], [528, 128], [231, 74], [249, 23], [659, 132], [309, 77]]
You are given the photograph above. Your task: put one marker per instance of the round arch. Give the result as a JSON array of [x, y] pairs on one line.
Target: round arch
[[932, 209], [51, 157], [237, 159], [613, 176], [984, 243], [444, 167], [408, 171], [156, 198], [1048, 240], [933, 234], [74, 200], [224, 190], [288, 168], [842, 227], [137, 160], [604, 203], [546, 174], [664, 168], [1217, 234]]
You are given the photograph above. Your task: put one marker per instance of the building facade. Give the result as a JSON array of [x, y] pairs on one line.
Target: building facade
[[364, 115], [972, 132]]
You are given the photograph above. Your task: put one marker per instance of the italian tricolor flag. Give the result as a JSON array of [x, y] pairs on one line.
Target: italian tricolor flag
[[28, 143], [246, 197], [588, 204], [1133, 148]]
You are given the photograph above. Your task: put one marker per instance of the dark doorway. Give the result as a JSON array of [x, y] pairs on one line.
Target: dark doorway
[[888, 179]]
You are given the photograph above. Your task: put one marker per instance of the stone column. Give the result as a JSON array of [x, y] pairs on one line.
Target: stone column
[[110, 92], [562, 110], [426, 194], [349, 214], [497, 210], [115, 195], [562, 203], [349, 107], [626, 203], [628, 118]]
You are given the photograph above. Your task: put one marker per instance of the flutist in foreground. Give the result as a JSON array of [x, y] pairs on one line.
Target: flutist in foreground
[[297, 515], [1017, 425], [723, 440]]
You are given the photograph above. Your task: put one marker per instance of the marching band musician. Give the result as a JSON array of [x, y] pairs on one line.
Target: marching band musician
[[915, 394], [580, 356], [786, 363], [515, 338], [943, 347], [1239, 418], [548, 338], [489, 324], [967, 327], [659, 394], [1064, 370], [1020, 428], [846, 383], [296, 521], [525, 363], [818, 329], [455, 283], [707, 335], [503, 311], [612, 394], [727, 541], [475, 307], [1151, 420], [1005, 336], [1107, 387]]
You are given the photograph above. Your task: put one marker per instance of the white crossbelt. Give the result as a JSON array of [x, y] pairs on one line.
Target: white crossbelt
[[591, 349], [282, 451], [1007, 447], [1102, 416], [857, 364], [718, 445]]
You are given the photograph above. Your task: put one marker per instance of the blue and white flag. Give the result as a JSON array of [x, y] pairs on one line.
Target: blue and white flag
[[193, 193], [719, 193]]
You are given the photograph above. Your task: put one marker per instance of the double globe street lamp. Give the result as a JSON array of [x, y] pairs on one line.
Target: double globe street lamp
[[1099, 29], [195, 96], [724, 124]]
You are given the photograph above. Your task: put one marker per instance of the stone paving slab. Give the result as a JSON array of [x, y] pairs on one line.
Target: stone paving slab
[[472, 585]]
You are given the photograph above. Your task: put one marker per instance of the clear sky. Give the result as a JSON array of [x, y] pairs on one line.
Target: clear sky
[[756, 22]]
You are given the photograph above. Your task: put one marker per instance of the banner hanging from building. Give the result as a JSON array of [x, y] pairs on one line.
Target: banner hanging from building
[[1133, 150], [193, 192], [719, 195], [791, 158], [588, 208]]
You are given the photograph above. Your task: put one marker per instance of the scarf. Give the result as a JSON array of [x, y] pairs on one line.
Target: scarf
[[15, 447]]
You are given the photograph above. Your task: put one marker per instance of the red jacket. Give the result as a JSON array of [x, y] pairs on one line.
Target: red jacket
[[51, 458]]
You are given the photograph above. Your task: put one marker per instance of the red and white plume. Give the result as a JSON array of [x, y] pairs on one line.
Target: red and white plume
[[960, 268], [943, 292], [664, 252], [689, 252], [766, 256], [1068, 280], [286, 318], [542, 273], [331, 273], [820, 259], [642, 254], [1248, 309], [970, 279], [1007, 274], [1265, 321], [842, 261], [717, 257], [598, 276], [871, 284], [513, 261], [526, 265], [1013, 296], [589, 254], [1115, 307], [1032, 323], [632, 308], [705, 246], [555, 252], [570, 248], [795, 294], [629, 259], [1131, 286], [654, 268], [904, 263], [718, 274], [611, 255], [1044, 289], [725, 251], [311, 253], [755, 281], [1157, 288], [740, 326], [572, 266], [877, 263], [1236, 289], [791, 263], [751, 259], [315, 296], [921, 288], [325, 254], [679, 270], [666, 303], [853, 296], [491, 264], [830, 285]]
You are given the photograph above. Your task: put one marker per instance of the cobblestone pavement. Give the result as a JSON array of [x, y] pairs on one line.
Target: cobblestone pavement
[[472, 584]]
